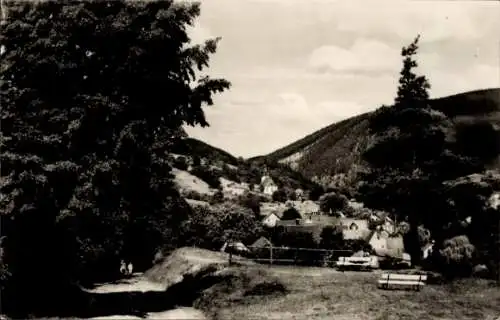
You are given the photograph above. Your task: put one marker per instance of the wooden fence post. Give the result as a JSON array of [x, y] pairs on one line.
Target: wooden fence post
[[271, 254]]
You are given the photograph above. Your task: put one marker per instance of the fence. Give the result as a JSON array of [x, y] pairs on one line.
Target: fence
[[291, 255]]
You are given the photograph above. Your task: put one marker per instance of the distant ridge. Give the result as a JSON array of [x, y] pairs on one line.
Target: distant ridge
[[336, 148]]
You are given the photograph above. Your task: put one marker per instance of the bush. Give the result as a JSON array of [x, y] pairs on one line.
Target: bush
[[280, 195], [316, 192], [331, 238], [291, 214], [218, 197], [192, 194], [207, 175], [210, 228], [250, 201], [266, 288], [333, 202], [457, 257], [180, 163]]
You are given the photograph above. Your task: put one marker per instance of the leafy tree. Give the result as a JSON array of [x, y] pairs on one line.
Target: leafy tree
[[291, 214], [211, 227], [211, 177], [251, 201], [333, 202], [458, 256], [413, 154], [180, 163], [331, 238], [316, 192], [280, 195], [93, 95]]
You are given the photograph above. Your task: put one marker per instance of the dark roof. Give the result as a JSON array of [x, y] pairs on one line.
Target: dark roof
[[262, 242]]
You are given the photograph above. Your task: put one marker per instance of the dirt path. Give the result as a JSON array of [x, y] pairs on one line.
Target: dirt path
[[177, 314], [141, 284]]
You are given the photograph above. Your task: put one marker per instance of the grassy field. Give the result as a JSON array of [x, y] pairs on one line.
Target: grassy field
[[316, 293]]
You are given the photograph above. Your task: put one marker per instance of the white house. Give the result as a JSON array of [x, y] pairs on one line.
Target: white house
[[271, 220], [268, 184], [386, 245], [427, 250], [353, 229]]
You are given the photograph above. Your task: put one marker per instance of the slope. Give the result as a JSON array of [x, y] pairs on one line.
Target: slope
[[337, 147]]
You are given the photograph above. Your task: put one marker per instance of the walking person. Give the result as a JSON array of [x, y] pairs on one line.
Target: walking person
[[123, 267], [130, 269]]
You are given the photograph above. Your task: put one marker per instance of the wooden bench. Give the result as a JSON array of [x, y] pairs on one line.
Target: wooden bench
[[356, 262], [402, 281]]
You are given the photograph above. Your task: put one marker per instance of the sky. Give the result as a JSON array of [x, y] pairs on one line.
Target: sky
[[297, 66]]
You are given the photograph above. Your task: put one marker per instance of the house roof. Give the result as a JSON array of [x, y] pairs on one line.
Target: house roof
[[267, 208], [314, 229], [262, 242], [267, 181], [277, 215]]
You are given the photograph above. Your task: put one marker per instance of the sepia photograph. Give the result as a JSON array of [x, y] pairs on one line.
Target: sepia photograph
[[250, 159]]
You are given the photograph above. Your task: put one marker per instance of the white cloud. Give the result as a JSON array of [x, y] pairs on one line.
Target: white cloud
[[279, 96], [365, 55], [434, 20], [286, 117]]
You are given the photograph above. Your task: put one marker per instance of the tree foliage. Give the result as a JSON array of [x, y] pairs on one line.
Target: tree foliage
[[210, 228], [280, 195], [332, 202], [291, 214], [416, 150], [93, 95]]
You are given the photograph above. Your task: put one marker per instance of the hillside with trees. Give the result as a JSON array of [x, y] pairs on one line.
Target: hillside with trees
[[343, 143]]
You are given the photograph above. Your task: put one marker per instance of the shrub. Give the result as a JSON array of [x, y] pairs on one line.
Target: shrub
[[218, 197], [331, 238], [280, 195], [316, 192], [457, 256], [207, 175], [210, 228], [266, 288], [333, 202], [291, 214], [250, 201], [180, 163]]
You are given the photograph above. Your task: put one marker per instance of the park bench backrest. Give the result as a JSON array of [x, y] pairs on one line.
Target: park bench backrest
[[404, 277]]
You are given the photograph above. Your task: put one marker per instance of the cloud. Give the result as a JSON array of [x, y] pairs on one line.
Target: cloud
[[434, 20], [365, 56], [285, 117]]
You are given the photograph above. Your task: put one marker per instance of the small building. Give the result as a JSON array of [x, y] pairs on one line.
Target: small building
[[261, 243], [427, 250], [354, 229], [271, 220], [386, 245], [237, 247], [268, 185]]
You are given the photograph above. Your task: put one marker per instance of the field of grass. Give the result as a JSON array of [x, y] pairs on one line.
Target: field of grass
[[316, 293]]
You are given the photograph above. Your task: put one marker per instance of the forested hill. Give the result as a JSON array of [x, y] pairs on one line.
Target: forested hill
[[337, 147]]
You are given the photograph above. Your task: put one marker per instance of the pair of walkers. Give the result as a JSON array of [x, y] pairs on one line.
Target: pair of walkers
[[126, 268]]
